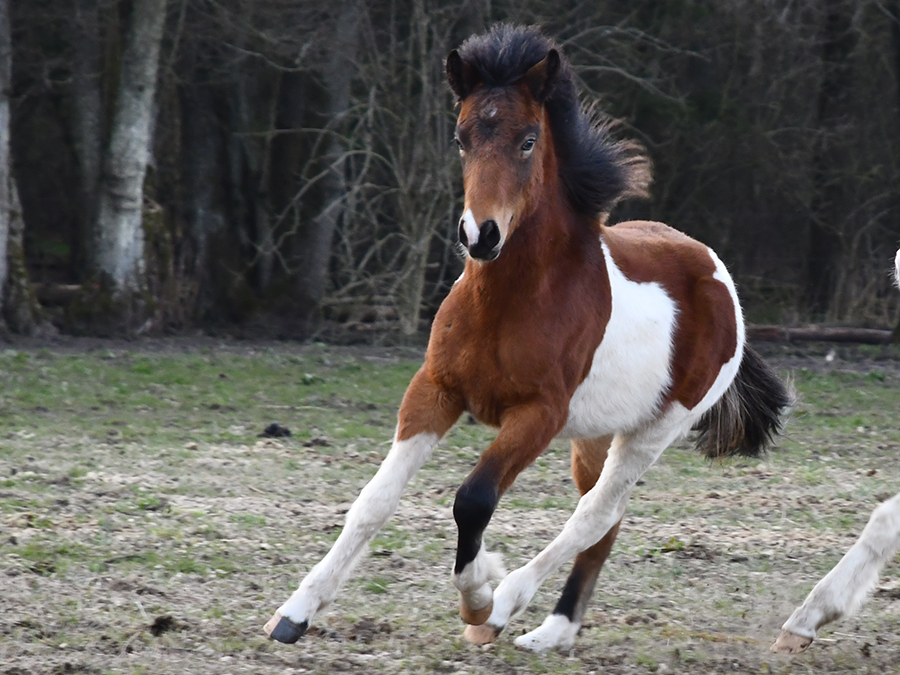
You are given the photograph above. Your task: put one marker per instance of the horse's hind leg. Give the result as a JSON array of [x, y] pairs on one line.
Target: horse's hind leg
[[630, 455], [560, 628], [425, 416], [845, 587]]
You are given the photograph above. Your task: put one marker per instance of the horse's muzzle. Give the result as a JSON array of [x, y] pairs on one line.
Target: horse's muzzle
[[487, 244]]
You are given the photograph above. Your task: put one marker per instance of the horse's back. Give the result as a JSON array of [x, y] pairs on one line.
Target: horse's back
[[648, 251]]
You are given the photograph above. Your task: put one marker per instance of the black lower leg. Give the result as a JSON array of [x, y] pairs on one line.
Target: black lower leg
[[577, 591], [475, 502], [583, 577]]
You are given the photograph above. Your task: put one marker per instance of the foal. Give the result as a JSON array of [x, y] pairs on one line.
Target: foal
[[844, 588], [620, 338]]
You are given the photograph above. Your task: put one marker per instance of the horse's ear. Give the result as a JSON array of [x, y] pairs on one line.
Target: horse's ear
[[541, 77], [460, 75]]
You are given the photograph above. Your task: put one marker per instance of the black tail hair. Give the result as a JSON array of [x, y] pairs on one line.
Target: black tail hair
[[748, 415]]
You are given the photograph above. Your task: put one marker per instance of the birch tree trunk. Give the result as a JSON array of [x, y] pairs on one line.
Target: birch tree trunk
[[119, 255]]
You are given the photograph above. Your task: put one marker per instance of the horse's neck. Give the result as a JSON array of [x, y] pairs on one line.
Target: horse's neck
[[541, 249]]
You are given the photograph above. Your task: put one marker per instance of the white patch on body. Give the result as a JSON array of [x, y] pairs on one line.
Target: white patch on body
[[630, 372], [470, 227], [557, 632], [375, 504], [473, 581], [846, 586]]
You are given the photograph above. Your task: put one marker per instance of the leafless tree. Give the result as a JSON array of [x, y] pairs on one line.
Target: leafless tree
[[119, 254]]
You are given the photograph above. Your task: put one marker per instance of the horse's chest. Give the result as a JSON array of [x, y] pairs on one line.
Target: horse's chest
[[631, 370], [493, 368]]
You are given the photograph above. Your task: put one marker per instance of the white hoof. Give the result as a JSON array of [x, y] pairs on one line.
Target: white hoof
[[557, 632]]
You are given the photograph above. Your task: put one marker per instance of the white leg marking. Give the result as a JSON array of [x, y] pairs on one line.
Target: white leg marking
[[846, 586], [557, 632], [602, 507], [375, 504], [473, 581]]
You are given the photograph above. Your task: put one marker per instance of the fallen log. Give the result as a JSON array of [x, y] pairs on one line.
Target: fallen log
[[866, 336]]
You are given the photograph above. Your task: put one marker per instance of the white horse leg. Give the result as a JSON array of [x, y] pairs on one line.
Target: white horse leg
[[375, 504], [602, 507], [845, 587]]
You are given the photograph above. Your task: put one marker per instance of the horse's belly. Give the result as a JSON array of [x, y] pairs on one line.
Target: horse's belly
[[615, 400], [631, 370]]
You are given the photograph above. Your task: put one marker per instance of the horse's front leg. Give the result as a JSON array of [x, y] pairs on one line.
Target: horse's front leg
[[425, 416], [525, 432], [846, 586]]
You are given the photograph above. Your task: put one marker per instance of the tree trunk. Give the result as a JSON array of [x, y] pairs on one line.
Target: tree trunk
[[426, 183], [5, 164], [894, 13], [410, 291], [21, 310], [120, 238], [18, 307], [314, 247], [828, 207], [205, 209], [87, 98], [255, 100]]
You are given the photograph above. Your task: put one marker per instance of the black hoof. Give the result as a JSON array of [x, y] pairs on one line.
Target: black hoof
[[287, 631]]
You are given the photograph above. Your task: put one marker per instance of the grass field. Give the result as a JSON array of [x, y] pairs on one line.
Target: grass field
[[146, 527]]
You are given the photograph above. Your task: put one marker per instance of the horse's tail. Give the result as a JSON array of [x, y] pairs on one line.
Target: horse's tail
[[748, 415]]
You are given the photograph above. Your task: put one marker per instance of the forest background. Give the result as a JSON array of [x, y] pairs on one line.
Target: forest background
[[287, 167]]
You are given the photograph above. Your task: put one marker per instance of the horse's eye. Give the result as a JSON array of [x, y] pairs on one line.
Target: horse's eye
[[459, 145], [528, 146]]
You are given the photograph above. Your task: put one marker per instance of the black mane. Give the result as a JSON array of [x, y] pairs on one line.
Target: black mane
[[597, 170]]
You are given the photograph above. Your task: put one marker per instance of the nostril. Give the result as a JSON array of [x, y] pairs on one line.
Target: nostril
[[463, 239], [490, 234]]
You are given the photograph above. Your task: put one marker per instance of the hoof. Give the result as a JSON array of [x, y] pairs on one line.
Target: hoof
[[475, 617], [284, 630], [790, 643], [480, 635]]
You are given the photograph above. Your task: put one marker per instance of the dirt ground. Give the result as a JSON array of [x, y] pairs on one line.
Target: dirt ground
[[147, 528]]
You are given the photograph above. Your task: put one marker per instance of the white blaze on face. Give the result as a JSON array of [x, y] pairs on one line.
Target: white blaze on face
[[470, 227]]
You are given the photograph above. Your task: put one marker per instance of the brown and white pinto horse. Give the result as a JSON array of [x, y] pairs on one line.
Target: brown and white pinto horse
[[620, 338], [844, 588]]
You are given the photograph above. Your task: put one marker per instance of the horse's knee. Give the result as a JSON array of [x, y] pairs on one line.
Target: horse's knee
[[475, 502]]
